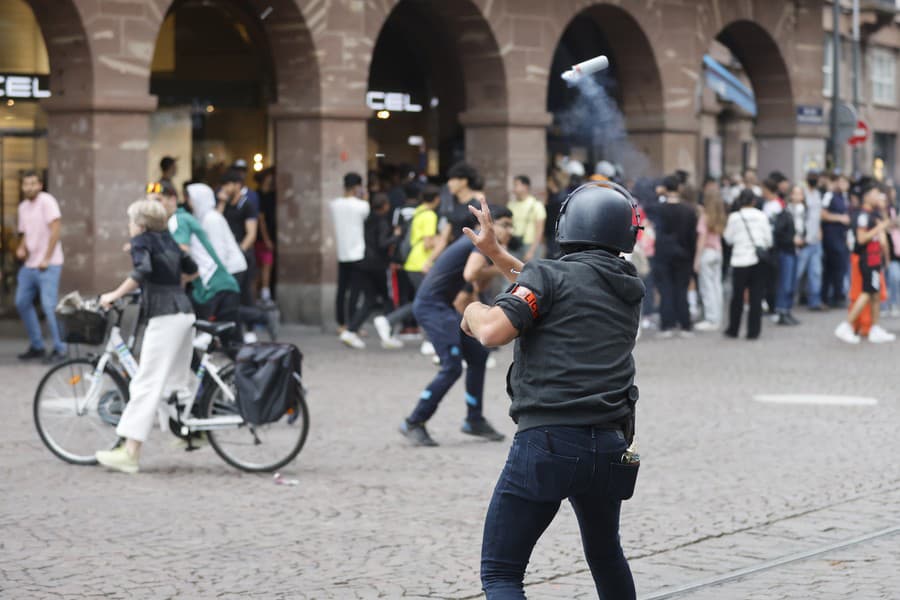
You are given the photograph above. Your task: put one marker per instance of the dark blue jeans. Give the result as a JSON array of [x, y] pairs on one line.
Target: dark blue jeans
[[441, 325], [787, 281], [545, 466]]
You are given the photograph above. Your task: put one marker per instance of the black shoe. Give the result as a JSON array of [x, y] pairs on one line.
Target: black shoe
[[31, 353], [416, 434], [790, 319], [54, 357], [730, 334], [482, 428], [818, 308], [782, 320]]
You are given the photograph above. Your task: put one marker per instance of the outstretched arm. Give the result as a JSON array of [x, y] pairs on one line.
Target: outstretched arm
[[487, 243]]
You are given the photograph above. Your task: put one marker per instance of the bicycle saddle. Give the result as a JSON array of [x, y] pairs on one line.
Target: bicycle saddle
[[214, 329]]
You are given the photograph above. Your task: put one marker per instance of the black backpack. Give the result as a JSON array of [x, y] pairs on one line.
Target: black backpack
[[404, 246], [267, 378]]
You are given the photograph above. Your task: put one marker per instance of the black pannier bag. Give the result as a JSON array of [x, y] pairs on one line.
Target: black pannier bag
[[265, 381]]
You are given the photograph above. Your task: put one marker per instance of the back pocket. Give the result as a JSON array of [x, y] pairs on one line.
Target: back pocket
[[549, 476], [622, 479]]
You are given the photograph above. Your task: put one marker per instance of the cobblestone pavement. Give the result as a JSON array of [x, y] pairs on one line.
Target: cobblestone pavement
[[727, 483]]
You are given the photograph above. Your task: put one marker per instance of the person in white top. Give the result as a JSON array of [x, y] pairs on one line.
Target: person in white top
[[747, 229], [203, 203], [348, 214]]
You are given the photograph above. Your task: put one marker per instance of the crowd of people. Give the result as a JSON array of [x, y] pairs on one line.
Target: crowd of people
[[707, 256]]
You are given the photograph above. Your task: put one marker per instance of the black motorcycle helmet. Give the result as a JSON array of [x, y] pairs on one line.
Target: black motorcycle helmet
[[599, 214]]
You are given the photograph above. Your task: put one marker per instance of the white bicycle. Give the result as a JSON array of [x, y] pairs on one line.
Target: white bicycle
[[78, 402]]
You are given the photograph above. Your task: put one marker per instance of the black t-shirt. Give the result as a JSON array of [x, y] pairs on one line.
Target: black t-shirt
[[460, 217], [676, 231], [870, 253], [247, 208], [267, 210], [445, 278]]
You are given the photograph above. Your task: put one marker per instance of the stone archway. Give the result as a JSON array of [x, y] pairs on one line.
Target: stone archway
[[471, 53]]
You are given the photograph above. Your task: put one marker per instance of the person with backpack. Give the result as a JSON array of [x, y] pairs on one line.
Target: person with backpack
[[372, 269], [414, 250]]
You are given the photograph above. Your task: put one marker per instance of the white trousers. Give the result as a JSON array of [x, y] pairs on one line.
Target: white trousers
[[165, 365], [710, 280]]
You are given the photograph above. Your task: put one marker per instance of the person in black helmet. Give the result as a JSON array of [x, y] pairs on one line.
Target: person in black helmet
[[572, 388]]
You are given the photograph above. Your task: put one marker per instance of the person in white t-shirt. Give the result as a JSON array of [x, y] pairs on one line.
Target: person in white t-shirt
[[348, 214]]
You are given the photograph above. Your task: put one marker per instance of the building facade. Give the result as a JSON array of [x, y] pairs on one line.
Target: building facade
[[475, 78]]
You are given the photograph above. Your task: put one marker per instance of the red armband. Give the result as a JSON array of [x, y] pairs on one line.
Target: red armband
[[528, 296]]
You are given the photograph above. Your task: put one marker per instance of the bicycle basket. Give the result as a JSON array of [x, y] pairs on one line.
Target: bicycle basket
[[82, 326]]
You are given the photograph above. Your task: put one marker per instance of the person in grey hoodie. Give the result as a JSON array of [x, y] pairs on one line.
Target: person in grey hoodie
[[574, 321]]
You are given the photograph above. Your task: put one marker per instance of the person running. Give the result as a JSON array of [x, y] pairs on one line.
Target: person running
[[870, 229], [40, 224], [158, 268], [574, 322], [215, 293], [422, 237], [434, 310]]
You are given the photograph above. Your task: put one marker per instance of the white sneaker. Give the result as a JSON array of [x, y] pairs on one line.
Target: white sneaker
[[353, 340], [491, 362], [845, 333], [383, 327], [436, 360], [706, 326], [392, 343], [878, 335], [250, 338], [427, 349]]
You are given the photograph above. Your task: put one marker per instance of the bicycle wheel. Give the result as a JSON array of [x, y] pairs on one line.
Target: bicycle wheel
[[76, 414], [254, 448]]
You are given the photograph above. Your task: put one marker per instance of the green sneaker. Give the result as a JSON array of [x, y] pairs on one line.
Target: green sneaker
[[117, 459]]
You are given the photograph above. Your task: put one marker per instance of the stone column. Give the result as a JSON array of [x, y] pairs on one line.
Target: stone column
[[313, 151], [97, 156], [502, 146]]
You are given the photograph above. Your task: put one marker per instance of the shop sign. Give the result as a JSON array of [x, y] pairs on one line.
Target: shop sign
[[23, 87], [391, 101]]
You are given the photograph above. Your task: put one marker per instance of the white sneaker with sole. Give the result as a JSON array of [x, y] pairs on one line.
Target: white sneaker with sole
[[117, 459], [878, 335], [845, 333], [427, 349], [706, 326], [353, 340], [392, 343], [383, 327]]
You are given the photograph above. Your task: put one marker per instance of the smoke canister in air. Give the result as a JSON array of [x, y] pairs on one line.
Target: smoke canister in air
[[583, 69]]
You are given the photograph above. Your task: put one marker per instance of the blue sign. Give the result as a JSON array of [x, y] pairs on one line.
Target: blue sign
[[810, 115]]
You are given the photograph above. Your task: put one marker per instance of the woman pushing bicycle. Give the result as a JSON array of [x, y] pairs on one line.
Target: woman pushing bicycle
[[159, 270]]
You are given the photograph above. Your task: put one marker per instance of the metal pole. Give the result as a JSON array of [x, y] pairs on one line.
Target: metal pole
[[835, 79], [856, 76]]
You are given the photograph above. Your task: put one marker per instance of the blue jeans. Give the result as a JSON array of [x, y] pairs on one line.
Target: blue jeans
[[893, 277], [787, 281], [809, 262], [32, 282], [545, 466], [441, 325]]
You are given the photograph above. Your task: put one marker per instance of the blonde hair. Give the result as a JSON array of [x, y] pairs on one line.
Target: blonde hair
[[714, 208], [148, 214]]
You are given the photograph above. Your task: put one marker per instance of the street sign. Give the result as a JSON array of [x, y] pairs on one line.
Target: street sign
[[810, 114], [847, 120], [860, 134]]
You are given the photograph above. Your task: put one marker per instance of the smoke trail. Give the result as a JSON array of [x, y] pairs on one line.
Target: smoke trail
[[595, 118]]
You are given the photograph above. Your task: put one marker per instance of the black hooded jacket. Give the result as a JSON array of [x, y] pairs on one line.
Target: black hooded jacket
[[577, 319]]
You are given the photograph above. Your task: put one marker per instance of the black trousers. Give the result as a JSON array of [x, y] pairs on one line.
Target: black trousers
[[348, 290], [836, 264], [771, 284], [373, 286], [743, 279], [672, 279]]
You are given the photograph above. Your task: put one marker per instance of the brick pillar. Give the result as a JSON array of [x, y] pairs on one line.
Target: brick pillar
[[502, 146], [97, 156], [313, 150]]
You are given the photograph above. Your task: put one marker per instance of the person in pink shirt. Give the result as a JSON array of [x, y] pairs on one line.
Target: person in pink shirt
[[39, 248]]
